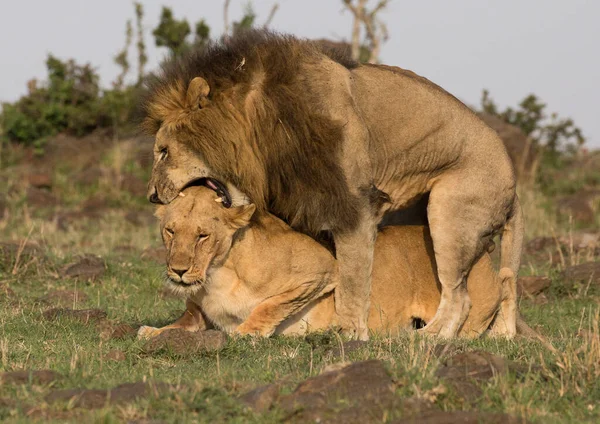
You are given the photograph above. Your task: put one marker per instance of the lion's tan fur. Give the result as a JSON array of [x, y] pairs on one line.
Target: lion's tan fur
[[265, 278], [320, 141]]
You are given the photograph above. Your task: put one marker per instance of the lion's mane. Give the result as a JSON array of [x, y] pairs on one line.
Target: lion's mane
[[281, 150]]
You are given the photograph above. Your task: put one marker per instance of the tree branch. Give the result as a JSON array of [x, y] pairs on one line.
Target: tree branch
[[271, 14]]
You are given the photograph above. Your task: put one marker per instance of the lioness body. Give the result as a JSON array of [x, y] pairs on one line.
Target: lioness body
[[325, 143], [276, 280]]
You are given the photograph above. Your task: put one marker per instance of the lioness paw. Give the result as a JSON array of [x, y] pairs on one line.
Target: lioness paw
[[146, 332]]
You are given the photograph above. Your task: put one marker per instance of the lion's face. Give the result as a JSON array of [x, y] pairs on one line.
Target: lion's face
[[175, 166], [198, 231]]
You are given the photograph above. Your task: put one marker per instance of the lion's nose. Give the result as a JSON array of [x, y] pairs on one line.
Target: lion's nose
[[179, 272], [154, 196]]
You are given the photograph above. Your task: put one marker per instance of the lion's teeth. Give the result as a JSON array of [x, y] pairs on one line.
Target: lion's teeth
[[181, 194], [219, 200]]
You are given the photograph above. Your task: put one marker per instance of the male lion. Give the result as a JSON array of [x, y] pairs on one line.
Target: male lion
[[325, 143], [262, 277]]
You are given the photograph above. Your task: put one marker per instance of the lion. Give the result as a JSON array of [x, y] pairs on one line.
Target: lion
[[327, 144], [245, 272]]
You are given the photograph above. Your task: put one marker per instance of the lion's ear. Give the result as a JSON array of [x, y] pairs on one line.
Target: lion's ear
[[160, 211], [241, 216], [197, 93]]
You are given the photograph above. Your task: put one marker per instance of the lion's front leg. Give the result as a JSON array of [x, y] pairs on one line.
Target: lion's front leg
[[266, 317], [191, 320], [354, 251]]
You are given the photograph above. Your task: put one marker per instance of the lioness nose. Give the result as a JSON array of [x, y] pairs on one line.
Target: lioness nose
[[179, 272]]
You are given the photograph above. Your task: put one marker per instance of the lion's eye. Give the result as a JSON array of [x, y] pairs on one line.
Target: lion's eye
[[202, 237], [162, 154], [169, 231]]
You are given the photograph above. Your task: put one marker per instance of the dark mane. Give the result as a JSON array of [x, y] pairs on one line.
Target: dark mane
[[288, 158]]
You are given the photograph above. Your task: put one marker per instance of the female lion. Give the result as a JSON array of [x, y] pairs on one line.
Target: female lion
[[249, 274]]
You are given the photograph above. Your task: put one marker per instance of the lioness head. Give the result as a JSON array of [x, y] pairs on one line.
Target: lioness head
[[197, 231]]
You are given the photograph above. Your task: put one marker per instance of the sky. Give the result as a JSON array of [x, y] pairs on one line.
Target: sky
[[510, 47]]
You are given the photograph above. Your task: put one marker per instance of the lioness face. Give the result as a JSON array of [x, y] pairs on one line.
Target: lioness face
[[198, 231]]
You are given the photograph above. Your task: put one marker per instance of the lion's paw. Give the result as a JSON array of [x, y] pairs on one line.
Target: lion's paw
[[146, 332]]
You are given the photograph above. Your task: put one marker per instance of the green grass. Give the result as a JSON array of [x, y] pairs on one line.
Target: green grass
[[561, 388]]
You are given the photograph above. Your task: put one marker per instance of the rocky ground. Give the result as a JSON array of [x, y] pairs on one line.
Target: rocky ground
[[81, 269]]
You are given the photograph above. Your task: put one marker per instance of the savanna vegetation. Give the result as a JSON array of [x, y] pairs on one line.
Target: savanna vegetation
[[82, 265]]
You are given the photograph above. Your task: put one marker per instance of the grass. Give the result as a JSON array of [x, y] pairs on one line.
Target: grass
[[561, 388]]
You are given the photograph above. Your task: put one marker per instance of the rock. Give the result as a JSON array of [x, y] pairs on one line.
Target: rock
[[25, 376], [122, 331], [89, 267], [158, 254], [98, 398], [459, 417], [532, 285], [359, 392], [23, 252], [182, 342], [64, 297], [85, 316], [463, 370], [40, 180], [40, 198], [261, 398], [115, 355], [583, 273]]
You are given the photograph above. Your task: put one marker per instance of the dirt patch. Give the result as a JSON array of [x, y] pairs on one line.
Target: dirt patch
[[184, 343], [262, 398], [359, 392], [64, 297], [40, 198], [115, 355], [88, 267], [85, 316], [459, 417], [40, 180], [588, 273], [98, 398], [27, 376], [532, 286]]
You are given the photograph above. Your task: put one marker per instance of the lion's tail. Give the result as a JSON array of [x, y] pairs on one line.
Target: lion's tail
[[511, 243]]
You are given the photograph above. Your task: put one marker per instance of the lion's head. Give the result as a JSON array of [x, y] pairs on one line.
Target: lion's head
[[241, 114], [198, 232]]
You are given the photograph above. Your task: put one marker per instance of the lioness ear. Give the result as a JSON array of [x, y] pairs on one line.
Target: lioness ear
[[197, 93], [240, 216], [160, 211]]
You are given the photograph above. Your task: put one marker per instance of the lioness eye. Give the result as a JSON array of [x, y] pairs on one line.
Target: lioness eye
[[163, 153], [202, 237], [169, 231]]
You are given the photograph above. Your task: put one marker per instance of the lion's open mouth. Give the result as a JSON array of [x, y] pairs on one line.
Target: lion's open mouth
[[215, 185]]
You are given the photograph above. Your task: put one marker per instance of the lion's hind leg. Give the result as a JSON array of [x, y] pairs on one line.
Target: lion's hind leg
[[462, 217], [191, 320], [505, 322]]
